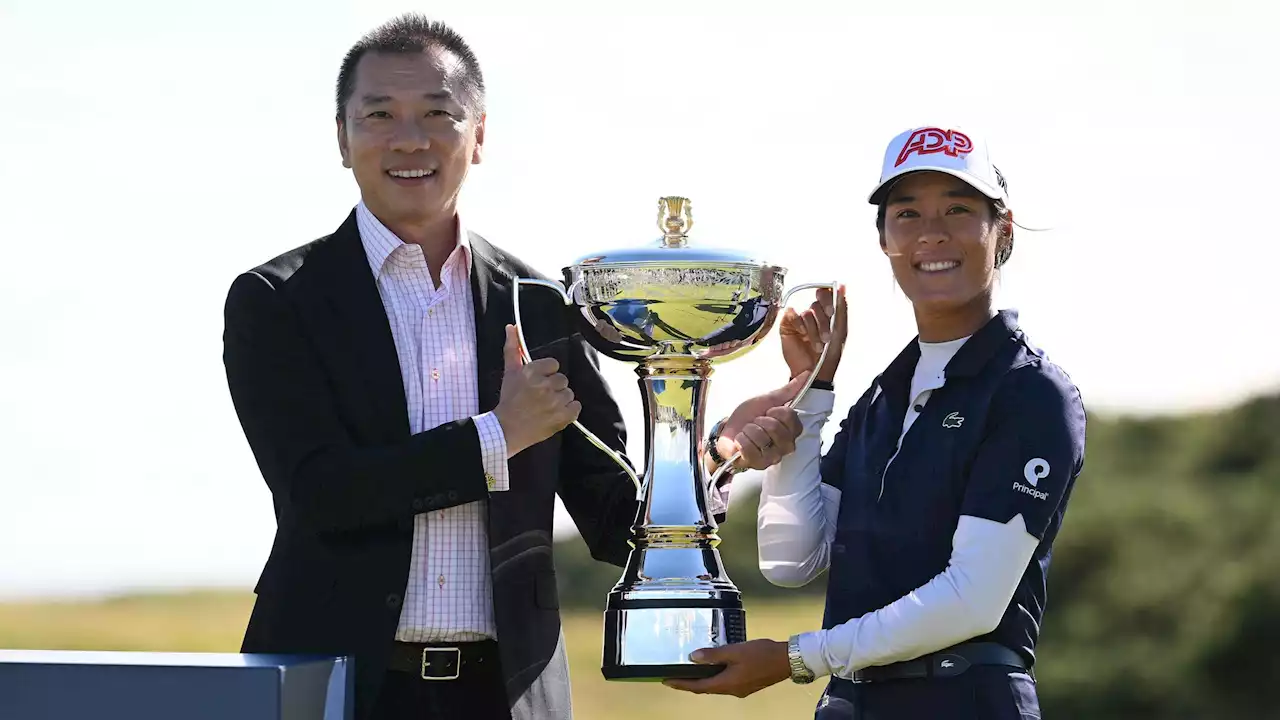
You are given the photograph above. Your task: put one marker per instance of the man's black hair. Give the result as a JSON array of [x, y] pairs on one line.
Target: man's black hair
[[410, 33]]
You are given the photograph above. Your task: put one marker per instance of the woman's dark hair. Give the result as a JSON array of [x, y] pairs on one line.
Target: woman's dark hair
[[999, 211]]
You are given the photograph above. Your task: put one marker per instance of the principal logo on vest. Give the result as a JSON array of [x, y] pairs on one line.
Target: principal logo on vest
[[1033, 472]]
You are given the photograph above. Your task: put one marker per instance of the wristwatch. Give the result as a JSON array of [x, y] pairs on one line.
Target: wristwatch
[[712, 438], [800, 673]]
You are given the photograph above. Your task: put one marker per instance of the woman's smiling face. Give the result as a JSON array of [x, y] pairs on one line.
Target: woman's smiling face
[[942, 238]]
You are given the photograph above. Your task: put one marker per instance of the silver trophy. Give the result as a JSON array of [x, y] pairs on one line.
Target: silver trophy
[[674, 310]]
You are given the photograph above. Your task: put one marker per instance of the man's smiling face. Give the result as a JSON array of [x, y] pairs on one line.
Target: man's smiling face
[[410, 134]]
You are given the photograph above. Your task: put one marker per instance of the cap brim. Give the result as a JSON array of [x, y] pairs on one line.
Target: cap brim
[[877, 196]]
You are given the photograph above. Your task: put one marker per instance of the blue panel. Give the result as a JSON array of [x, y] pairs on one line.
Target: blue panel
[[62, 685]]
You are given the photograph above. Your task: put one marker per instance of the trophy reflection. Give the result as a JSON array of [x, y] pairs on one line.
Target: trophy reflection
[[674, 310]]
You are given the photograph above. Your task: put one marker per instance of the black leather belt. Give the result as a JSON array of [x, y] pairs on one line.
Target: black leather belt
[[944, 663], [443, 661]]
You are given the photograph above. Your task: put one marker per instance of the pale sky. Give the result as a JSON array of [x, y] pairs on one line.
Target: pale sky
[[149, 151]]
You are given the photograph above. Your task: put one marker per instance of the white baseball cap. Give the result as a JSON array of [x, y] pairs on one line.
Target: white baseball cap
[[946, 150]]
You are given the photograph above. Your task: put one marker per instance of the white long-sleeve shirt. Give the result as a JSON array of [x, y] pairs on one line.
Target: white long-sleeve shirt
[[797, 525]]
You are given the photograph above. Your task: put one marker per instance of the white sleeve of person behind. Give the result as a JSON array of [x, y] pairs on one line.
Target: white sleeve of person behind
[[967, 599], [797, 514]]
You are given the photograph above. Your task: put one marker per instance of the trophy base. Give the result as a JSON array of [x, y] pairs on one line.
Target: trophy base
[[658, 673], [653, 643]]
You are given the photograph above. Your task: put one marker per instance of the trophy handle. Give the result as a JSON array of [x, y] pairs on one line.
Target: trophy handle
[[833, 286], [567, 297]]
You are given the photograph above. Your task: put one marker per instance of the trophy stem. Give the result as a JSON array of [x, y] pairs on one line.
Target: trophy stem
[[674, 596], [675, 502]]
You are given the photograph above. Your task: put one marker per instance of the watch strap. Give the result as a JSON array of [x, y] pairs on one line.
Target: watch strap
[[800, 673]]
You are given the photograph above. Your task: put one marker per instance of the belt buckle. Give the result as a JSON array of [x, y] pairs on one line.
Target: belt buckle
[[948, 664], [457, 668]]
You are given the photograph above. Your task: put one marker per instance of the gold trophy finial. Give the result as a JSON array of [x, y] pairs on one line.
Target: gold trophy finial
[[675, 218]]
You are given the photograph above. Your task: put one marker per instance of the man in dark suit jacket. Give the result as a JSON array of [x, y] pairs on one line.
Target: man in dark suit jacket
[[412, 459]]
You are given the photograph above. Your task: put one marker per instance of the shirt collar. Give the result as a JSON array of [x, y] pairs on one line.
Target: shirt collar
[[379, 242], [903, 366], [969, 359], [982, 346]]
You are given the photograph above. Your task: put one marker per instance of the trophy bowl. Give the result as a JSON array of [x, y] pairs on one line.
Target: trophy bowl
[[674, 310]]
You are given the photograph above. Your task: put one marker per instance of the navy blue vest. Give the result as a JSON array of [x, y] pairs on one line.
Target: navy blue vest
[[1006, 417]]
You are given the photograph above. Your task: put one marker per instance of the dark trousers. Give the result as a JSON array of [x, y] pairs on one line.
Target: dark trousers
[[477, 693], [980, 693]]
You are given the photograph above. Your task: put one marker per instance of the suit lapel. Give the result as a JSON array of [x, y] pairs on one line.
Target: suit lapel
[[491, 293], [362, 330]]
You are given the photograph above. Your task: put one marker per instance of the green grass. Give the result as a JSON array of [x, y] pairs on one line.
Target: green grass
[[214, 622]]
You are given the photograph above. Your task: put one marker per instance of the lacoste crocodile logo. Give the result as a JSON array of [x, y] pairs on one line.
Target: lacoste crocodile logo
[[954, 420]]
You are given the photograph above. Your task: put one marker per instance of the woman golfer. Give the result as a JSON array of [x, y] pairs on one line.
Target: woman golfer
[[936, 506]]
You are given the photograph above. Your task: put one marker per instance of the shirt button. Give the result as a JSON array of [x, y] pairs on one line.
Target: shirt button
[[431, 312], [490, 480], [440, 581], [435, 374]]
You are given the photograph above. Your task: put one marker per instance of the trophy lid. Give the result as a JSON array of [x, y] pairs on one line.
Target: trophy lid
[[675, 218]]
